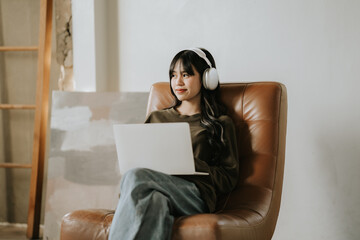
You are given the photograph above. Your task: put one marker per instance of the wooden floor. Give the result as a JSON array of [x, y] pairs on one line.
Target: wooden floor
[[13, 232]]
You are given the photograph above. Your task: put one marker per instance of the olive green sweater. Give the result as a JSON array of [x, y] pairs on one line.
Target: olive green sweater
[[222, 177]]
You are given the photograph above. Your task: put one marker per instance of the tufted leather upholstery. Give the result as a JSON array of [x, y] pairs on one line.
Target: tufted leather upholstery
[[259, 111]]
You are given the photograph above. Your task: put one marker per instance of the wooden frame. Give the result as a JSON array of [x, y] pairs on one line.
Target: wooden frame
[[41, 116]]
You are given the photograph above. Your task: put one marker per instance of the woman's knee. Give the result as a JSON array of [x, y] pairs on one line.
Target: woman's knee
[[135, 176], [137, 173], [160, 201]]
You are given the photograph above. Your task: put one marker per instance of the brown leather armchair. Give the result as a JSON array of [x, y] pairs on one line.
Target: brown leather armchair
[[250, 211]]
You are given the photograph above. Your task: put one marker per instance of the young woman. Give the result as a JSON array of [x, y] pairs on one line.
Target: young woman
[[150, 200]]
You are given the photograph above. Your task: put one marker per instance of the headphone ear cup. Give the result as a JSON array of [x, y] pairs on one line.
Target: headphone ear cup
[[210, 79]]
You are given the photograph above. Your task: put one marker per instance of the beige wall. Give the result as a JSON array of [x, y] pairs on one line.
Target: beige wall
[[18, 26]]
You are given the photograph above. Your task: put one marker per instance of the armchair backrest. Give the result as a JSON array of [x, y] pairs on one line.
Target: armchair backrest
[[259, 111]]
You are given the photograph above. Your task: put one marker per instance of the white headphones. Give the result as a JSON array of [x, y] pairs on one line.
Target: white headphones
[[210, 78]]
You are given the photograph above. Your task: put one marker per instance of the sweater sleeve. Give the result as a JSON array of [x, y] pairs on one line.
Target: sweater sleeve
[[148, 119]]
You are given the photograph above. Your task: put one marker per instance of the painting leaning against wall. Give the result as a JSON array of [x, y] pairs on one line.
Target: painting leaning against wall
[[82, 164]]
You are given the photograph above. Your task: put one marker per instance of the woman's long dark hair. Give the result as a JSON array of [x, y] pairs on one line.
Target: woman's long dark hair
[[210, 104]]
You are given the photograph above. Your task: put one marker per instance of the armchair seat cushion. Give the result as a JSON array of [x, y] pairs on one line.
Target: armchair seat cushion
[[241, 213]]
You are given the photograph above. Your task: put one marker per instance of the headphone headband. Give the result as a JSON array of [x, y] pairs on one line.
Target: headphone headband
[[210, 77], [201, 54]]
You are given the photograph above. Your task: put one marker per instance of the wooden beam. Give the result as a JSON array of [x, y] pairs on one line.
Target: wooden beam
[[14, 165], [16, 106], [41, 119], [18, 48]]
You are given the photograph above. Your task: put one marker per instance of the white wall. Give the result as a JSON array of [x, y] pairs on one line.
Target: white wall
[[311, 46], [95, 41], [83, 23]]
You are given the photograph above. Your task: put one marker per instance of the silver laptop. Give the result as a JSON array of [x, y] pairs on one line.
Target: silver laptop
[[164, 147]]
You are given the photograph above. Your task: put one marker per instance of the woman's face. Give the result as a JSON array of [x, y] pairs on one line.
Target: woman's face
[[185, 86]]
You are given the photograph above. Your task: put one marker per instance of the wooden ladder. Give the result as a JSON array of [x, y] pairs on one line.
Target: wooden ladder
[[41, 116]]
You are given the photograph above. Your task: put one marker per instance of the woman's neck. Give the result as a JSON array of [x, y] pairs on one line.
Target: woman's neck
[[187, 108]]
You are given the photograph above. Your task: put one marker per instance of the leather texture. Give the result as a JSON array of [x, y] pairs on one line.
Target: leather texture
[[259, 111]]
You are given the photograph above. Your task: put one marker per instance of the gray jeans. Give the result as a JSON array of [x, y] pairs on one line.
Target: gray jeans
[[149, 201]]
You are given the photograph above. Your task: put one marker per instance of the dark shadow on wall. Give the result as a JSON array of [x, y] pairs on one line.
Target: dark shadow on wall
[[112, 45], [6, 133]]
